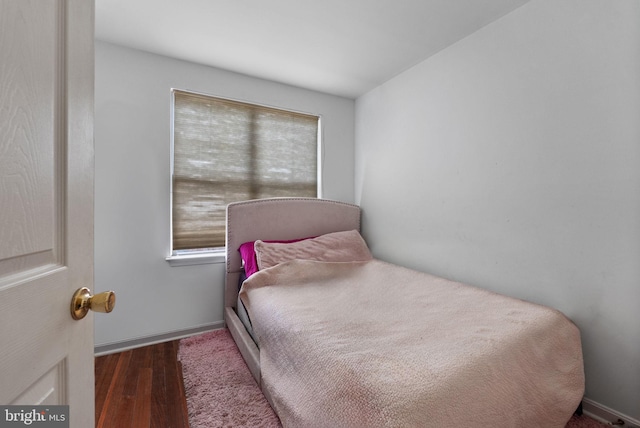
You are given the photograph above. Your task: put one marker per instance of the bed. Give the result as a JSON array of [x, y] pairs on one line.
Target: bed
[[344, 339]]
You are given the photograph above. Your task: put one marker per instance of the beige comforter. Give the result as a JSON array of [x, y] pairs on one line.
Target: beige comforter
[[370, 344]]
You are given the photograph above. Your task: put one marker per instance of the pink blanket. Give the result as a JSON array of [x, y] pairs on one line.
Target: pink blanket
[[370, 344]]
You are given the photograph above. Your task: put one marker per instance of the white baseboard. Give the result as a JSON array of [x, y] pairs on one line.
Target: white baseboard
[[125, 345], [607, 415]]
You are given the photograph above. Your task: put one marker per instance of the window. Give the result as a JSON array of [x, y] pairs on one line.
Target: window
[[226, 151]]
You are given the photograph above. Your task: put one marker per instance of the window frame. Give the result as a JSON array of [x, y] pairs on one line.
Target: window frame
[[217, 254]]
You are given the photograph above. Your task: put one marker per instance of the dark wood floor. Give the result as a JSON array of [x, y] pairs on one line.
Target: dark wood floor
[[141, 388]]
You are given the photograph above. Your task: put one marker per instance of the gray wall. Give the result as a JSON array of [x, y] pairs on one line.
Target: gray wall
[[511, 160], [132, 143]]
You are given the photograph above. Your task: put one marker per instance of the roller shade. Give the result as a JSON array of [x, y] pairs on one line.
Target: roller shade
[[227, 151]]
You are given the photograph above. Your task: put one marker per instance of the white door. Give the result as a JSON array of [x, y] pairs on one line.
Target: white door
[[46, 203]]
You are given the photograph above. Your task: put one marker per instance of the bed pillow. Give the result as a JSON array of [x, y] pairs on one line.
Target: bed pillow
[[248, 255], [333, 247]]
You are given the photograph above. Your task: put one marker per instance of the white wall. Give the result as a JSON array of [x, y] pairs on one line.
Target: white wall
[[132, 143], [511, 160]]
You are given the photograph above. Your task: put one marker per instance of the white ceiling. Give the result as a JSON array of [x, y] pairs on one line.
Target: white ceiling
[[341, 47]]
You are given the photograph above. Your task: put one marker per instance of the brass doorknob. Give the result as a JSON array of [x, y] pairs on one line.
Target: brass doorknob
[[82, 301]]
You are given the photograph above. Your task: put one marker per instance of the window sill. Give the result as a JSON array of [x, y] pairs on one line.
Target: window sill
[[197, 258]]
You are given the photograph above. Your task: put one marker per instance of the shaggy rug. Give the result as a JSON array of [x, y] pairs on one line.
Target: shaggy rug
[[218, 384], [222, 393]]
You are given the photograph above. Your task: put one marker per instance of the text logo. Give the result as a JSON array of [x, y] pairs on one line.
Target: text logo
[[34, 416]]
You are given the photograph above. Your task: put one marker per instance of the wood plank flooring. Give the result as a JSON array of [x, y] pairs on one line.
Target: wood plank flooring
[[141, 388]]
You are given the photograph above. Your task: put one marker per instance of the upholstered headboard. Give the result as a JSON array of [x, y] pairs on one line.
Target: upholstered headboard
[[280, 219]]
